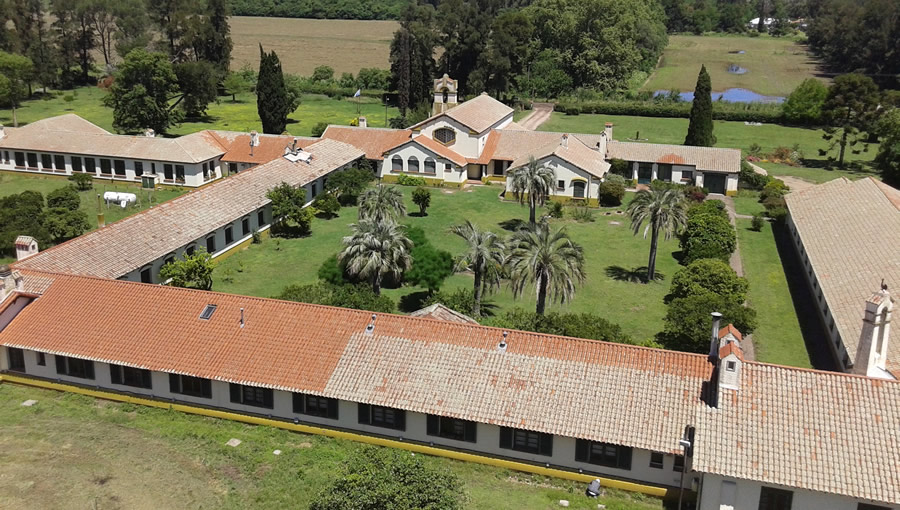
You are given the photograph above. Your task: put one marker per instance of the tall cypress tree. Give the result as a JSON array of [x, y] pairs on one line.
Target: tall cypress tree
[[272, 99], [700, 130]]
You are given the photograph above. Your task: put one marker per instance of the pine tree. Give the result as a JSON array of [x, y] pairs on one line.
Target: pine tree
[[700, 130], [272, 99]]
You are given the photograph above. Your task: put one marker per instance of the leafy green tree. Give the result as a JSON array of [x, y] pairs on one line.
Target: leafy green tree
[[430, 266], [716, 207], [374, 478], [856, 36], [326, 204], [273, 100], [888, 159], [374, 78], [140, 96], [381, 204], [781, 24], [319, 128], [235, 84], [484, 256], [422, 198], [132, 25], [460, 300], [375, 250], [82, 182], [17, 70], [349, 184], [198, 84], [288, 204], [358, 297], [191, 271], [661, 210], [611, 192], [74, 40], [63, 223], [620, 167], [804, 105], [509, 48], [323, 74], [708, 236], [700, 129], [22, 214], [412, 57], [65, 197], [547, 76], [688, 322], [333, 272], [576, 325], [532, 184], [709, 275], [211, 40], [850, 109], [547, 259]]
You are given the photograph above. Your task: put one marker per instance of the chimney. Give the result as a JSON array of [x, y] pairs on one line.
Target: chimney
[[871, 354], [714, 341], [503, 343], [294, 145], [608, 131], [149, 133], [19, 280], [242, 317], [565, 140], [363, 123], [731, 358], [370, 328], [26, 246], [2, 132], [254, 140]]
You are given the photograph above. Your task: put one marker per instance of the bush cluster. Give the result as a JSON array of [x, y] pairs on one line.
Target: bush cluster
[[750, 112], [708, 235], [409, 180], [611, 191]]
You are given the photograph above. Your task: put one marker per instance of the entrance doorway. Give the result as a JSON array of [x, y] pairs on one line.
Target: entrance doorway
[[715, 183]]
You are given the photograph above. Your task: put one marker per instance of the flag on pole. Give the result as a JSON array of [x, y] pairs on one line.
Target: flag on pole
[[358, 93]]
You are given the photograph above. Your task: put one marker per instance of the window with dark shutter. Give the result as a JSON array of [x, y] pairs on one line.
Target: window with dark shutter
[[46, 162], [120, 167], [59, 162], [90, 165], [41, 359], [245, 226], [190, 386], [130, 376], [174, 383], [451, 428], [260, 218], [211, 244], [656, 460], [506, 438], [775, 499], [74, 367], [526, 441], [365, 413], [16, 359], [115, 374], [229, 235], [251, 395], [76, 164]]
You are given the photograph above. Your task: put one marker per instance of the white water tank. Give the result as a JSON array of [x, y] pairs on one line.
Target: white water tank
[[122, 199]]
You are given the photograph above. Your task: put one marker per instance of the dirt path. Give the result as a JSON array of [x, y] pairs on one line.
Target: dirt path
[[539, 114], [795, 183]]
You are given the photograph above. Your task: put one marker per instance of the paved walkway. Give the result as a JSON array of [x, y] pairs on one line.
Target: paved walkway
[[540, 112]]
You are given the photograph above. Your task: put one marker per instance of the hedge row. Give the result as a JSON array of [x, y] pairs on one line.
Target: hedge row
[[331, 90], [721, 111]]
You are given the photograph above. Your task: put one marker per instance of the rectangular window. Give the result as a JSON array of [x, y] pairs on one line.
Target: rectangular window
[[32, 160], [232, 168], [251, 396], [229, 235], [313, 405], [76, 164], [656, 460], [46, 162], [20, 158], [245, 226], [41, 359], [146, 276], [866, 506], [105, 167], [130, 376], [179, 173], [448, 167], [138, 168], [90, 165], [211, 243], [379, 416], [775, 499], [167, 172], [526, 441], [560, 185], [119, 167], [314, 190], [59, 162], [16, 359], [205, 171], [190, 386], [74, 367], [664, 172], [679, 463], [498, 168], [190, 250], [260, 218], [603, 454], [451, 428], [687, 175]]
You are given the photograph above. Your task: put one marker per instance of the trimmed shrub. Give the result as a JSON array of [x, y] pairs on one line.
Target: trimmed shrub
[[327, 205], [708, 236], [695, 193], [422, 198], [319, 128], [620, 167], [709, 275], [716, 207], [616, 178], [611, 193], [757, 222], [749, 179], [573, 110], [83, 182], [408, 180]]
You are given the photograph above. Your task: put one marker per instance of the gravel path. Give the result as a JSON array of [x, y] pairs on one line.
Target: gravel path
[[539, 114]]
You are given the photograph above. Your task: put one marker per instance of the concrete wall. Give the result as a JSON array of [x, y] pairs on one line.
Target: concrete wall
[[746, 496], [678, 175], [456, 174], [193, 173], [568, 173], [13, 309], [467, 143], [487, 436]]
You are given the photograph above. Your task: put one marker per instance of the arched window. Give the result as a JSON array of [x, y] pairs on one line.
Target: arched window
[[412, 164], [578, 189], [430, 166], [396, 164], [446, 95], [445, 135]]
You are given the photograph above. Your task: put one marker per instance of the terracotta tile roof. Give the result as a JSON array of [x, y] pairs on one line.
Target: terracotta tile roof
[[435, 148], [730, 329], [68, 135], [575, 152], [442, 313], [851, 234], [237, 146], [515, 144], [821, 431], [624, 394], [373, 141], [706, 159], [490, 146], [477, 114], [128, 244]]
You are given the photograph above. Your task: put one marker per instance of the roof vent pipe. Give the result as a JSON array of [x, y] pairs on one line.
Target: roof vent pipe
[[714, 338], [371, 327], [503, 344], [242, 317]]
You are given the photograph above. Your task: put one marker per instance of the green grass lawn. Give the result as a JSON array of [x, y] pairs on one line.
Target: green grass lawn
[[225, 114], [72, 451], [778, 339], [264, 269], [775, 65], [747, 202], [819, 175]]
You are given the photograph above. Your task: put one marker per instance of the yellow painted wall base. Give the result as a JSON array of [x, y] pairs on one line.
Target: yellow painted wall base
[[308, 429], [731, 193]]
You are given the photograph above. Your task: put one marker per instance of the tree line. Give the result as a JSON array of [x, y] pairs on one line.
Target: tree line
[[320, 9]]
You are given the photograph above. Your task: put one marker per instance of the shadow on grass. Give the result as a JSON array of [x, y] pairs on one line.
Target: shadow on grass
[[513, 224], [633, 275], [413, 301], [417, 214]]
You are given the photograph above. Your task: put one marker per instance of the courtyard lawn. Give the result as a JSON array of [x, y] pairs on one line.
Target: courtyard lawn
[[778, 339], [264, 269], [747, 203], [819, 175], [225, 114], [72, 451], [775, 65]]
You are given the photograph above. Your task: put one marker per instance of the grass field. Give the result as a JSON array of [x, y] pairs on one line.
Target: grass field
[[225, 114], [263, 270], [729, 134], [304, 44], [778, 339], [775, 65], [72, 451]]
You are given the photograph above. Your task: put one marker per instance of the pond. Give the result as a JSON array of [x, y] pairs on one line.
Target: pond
[[736, 95]]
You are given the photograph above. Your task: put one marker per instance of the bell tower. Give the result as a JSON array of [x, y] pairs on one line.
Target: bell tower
[[444, 94]]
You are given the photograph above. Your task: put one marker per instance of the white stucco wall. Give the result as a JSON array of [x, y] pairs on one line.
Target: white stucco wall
[[456, 173], [567, 173], [466, 143], [746, 494]]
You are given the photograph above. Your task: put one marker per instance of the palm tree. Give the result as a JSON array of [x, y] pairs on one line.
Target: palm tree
[[484, 257], [376, 249], [532, 183], [381, 203], [662, 209], [547, 259]]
